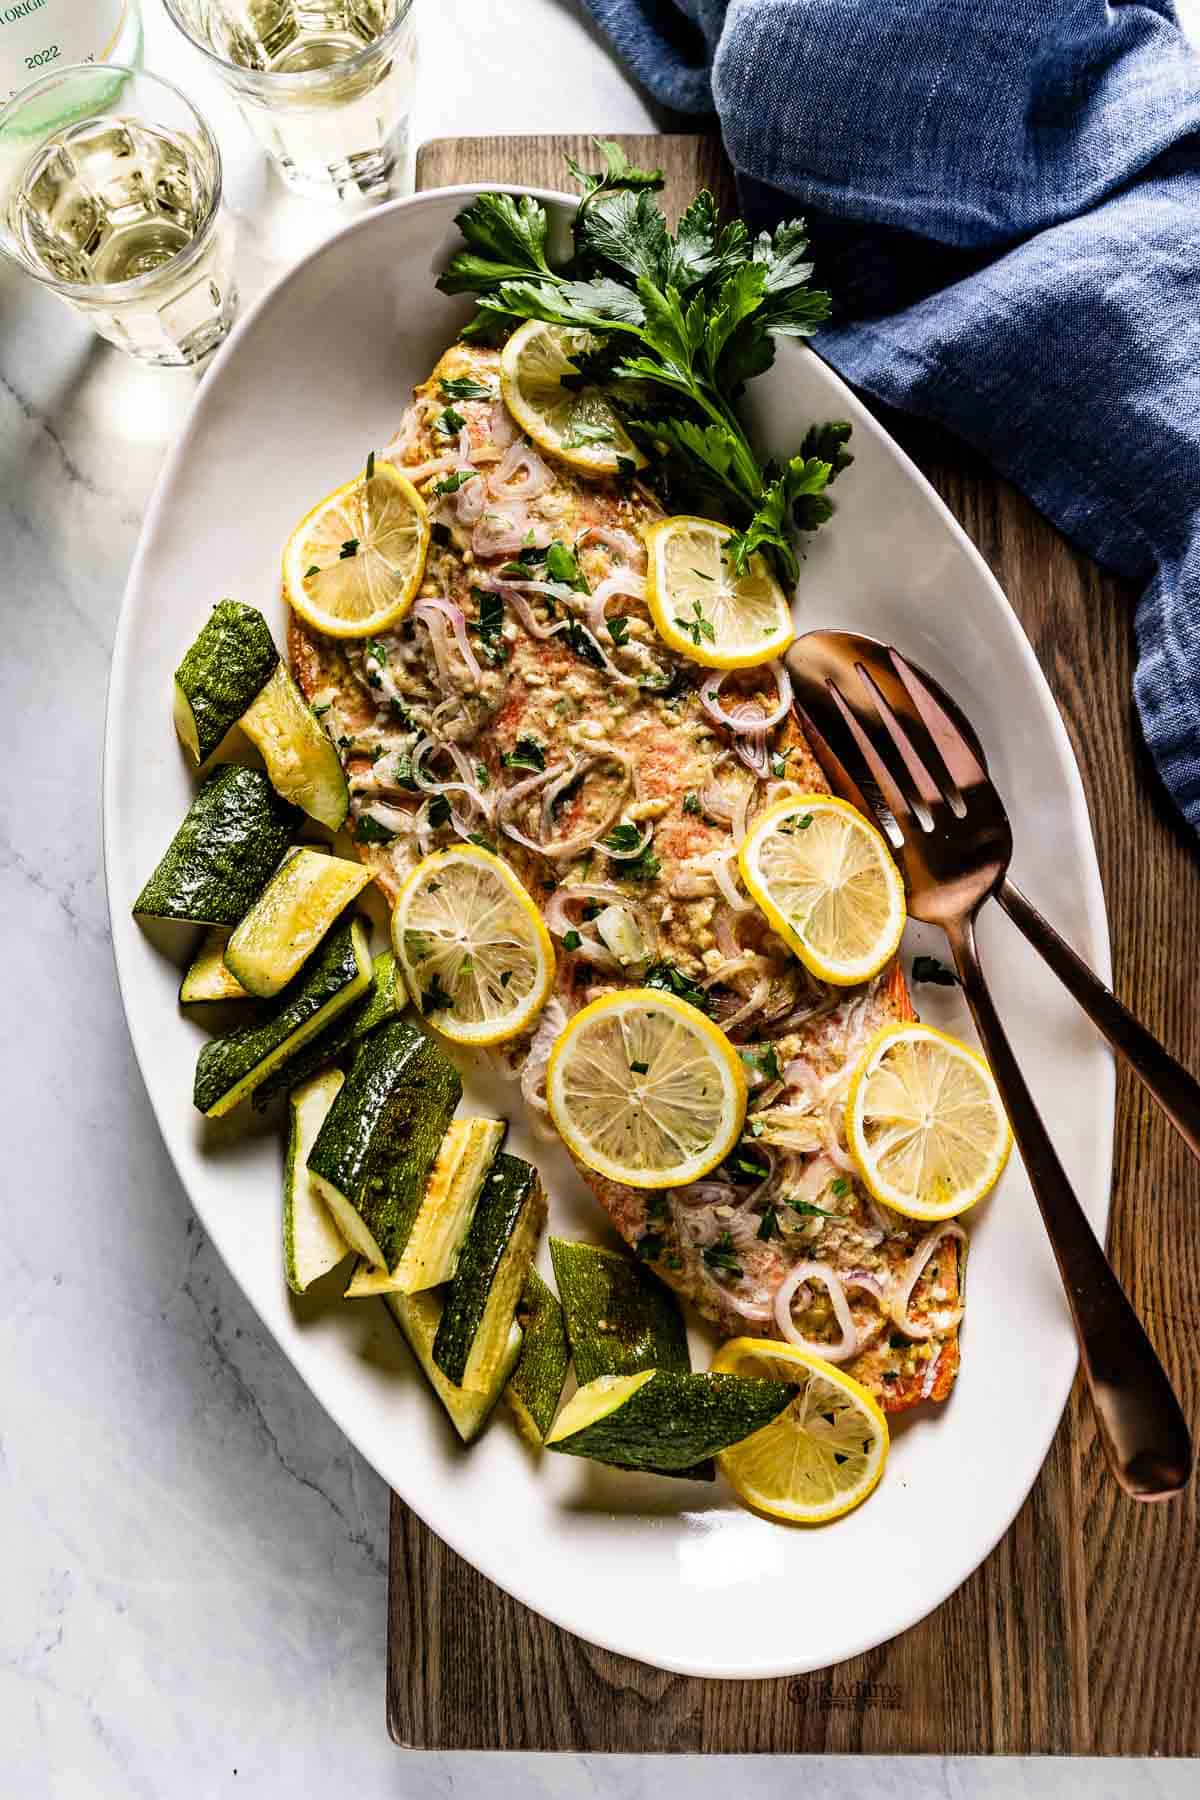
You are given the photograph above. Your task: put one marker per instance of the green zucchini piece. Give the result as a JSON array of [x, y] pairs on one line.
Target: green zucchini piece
[[230, 1067], [620, 1319], [440, 1228], [207, 978], [225, 668], [312, 1243], [418, 1316], [481, 1301], [375, 1150], [536, 1386], [662, 1420], [290, 917], [300, 758], [222, 856], [383, 1000]]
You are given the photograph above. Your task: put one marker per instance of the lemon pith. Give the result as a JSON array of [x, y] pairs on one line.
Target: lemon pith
[[578, 425], [826, 880], [472, 946], [702, 607], [645, 1089], [354, 563], [823, 1455], [925, 1122]]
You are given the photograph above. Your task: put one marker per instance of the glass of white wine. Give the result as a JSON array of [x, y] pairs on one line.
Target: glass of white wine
[[326, 86], [110, 196]]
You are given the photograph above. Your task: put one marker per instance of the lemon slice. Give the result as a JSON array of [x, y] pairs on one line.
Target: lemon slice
[[824, 1453], [646, 1090], [925, 1122], [476, 957], [702, 607], [577, 425], [826, 880], [354, 563]]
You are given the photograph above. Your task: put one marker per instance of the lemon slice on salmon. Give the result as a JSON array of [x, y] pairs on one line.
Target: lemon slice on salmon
[[475, 954], [354, 563], [702, 607], [646, 1090], [925, 1122], [829, 885], [576, 424], [822, 1455]]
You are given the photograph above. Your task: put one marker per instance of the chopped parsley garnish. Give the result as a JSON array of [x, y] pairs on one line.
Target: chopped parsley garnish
[[618, 629], [463, 387], [349, 548], [928, 968], [583, 643], [526, 753], [640, 1068], [465, 967], [779, 763], [435, 998], [622, 838], [804, 823], [482, 777], [763, 1062], [402, 774], [320, 711], [697, 626], [807, 1207], [563, 565], [400, 713], [691, 803], [449, 422], [370, 465], [769, 1224], [312, 569], [896, 1342], [439, 810], [645, 867], [840, 1187], [571, 940], [670, 979], [369, 831], [506, 976], [489, 627], [722, 1255], [485, 843], [450, 484]]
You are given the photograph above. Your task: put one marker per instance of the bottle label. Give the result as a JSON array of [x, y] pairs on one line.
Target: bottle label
[[36, 36]]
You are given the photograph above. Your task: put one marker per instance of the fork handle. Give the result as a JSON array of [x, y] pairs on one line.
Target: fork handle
[[1142, 1427], [1166, 1081]]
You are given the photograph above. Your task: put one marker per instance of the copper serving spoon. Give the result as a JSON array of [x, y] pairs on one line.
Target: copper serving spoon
[[925, 779]]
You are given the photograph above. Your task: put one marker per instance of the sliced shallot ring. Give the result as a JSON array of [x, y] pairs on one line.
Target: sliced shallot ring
[[911, 1274], [817, 1271]]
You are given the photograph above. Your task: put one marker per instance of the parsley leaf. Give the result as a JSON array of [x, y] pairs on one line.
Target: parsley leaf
[[691, 803], [618, 629], [369, 831], [489, 627], [464, 387], [928, 968], [722, 1255], [563, 565], [622, 838], [526, 753], [669, 977], [450, 484], [769, 1223], [449, 423]]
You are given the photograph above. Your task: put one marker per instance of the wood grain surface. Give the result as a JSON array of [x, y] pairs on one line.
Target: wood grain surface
[[1079, 1634]]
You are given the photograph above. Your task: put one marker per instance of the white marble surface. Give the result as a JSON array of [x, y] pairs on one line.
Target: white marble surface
[[194, 1570]]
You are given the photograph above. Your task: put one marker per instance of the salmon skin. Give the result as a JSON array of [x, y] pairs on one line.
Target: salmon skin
[[526, 700]]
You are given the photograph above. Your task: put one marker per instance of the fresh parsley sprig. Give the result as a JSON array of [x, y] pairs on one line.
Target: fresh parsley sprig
[[680, 324]]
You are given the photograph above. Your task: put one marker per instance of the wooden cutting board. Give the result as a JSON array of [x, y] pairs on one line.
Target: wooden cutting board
[[1079, 1634]]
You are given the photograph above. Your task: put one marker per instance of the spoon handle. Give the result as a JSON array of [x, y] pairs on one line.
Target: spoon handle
[[1166, 1081], [1144, 1433]]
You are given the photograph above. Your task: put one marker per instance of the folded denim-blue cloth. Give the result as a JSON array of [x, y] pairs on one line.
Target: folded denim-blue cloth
[[1004, 198]]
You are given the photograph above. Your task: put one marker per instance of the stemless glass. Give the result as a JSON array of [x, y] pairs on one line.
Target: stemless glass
[[110, 196], [326, 86]]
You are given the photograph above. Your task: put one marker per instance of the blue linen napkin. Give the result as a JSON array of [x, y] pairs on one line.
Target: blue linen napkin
[[1004, 198]]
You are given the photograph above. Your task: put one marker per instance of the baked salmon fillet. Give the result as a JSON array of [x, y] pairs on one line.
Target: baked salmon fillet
[[527, 702]]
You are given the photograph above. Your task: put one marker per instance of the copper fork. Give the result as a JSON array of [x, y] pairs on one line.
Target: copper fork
[[952, 838]]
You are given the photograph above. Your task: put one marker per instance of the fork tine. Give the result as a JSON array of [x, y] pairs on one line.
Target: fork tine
[[897, 801], [922, 779], [836, 773], [957, 754]]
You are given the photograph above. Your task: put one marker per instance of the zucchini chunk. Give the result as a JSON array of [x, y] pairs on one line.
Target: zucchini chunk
[[418, 1316], [225, 668], [440, 1227], [221, 858], [290, 917], [662, 1420], [375, 1150], [383, 1000], [312, 1243], [301, 761], [230, 1067], [536, 1386], [481, 1301], [620, 1319], [207, 978]]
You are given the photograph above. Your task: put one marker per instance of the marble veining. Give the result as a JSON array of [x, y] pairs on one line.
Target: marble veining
[[194, 1588]]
